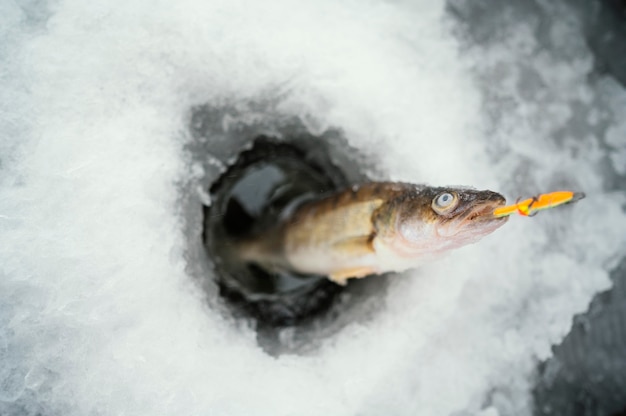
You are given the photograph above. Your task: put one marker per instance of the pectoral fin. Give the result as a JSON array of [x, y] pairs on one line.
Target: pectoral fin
[[341, 277], [354, 246]]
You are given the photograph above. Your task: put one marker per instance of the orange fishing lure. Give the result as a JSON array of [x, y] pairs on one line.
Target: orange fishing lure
[[531, 206]]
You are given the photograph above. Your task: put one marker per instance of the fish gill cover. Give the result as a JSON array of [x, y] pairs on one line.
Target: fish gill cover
[[100, 199]]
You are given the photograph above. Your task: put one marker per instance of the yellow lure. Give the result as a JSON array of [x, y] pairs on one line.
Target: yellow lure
[[530, 206]]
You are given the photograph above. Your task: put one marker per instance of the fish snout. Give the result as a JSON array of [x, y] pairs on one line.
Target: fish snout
[[494, 197], [483, 208]]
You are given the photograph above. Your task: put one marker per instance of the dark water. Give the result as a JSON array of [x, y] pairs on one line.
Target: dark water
[[264, 169], [267, 180], [587, 375]]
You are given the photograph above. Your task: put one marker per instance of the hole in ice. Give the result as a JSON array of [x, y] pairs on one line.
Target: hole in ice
[[270, 178]]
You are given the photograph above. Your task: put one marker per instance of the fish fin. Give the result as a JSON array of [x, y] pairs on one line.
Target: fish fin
[[341, 277], [355, 246]]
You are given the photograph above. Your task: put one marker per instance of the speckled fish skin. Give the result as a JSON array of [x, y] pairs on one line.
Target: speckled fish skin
[[373, 228]]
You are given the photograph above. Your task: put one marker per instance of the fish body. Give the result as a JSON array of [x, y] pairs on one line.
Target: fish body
[[374, 228]]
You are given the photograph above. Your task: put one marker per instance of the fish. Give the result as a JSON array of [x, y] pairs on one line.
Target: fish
[[530, 206], [373, 228]]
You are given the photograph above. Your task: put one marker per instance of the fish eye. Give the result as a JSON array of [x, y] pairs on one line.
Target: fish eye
[[444, 202]]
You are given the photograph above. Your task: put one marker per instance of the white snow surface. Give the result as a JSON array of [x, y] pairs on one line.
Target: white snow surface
[[101, 312]]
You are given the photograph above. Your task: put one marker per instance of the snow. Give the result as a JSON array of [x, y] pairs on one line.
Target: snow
[[101, 311]]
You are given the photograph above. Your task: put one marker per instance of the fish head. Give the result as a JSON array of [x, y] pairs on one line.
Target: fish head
[[436, 219]]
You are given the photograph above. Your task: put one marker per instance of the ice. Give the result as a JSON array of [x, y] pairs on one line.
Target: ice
[[101, 311], [616, 133]]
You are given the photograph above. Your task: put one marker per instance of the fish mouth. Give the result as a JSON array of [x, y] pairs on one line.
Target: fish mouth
[[483, 213]]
